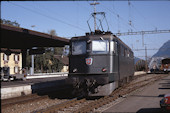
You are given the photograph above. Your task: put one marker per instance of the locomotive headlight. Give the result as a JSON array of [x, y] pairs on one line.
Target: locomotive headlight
[[104, 69], [75, 70]]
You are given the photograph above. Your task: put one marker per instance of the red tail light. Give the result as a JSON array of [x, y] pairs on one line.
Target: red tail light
[[104, 70]]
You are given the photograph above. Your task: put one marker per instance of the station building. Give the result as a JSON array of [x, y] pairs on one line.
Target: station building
[[11, 58]]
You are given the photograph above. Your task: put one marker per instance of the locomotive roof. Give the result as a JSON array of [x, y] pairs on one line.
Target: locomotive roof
[[122, 42], [101, 33]]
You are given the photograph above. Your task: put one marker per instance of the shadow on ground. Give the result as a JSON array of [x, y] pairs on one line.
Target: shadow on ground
[[165, 84], [54, 89], [152, 110]]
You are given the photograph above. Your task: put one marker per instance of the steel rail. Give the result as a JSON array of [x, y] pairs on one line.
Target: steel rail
[[76, 105], [24, 100], [61, 106]]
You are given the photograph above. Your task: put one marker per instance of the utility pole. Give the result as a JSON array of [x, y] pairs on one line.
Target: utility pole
[[142, 38], [146, 67], [95, 3]]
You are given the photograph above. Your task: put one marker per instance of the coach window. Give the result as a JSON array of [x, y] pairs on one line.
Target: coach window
[[122, 51], [78, 47], [100, 46], [126, 52], [131, 54]]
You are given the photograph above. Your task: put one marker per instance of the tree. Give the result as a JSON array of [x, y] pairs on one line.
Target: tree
[[52, 32], [47, 62], [8, 22]]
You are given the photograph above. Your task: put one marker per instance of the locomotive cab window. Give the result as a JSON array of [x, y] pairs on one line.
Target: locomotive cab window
[[100, 46], [78, 47]]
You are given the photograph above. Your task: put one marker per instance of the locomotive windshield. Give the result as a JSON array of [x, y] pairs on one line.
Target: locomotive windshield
[[100, 46], [78, 47]]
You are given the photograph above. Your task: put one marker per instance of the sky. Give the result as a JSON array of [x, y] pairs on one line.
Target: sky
[[69, 19]]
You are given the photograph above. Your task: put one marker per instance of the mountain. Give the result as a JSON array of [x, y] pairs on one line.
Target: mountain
[[164, 51]]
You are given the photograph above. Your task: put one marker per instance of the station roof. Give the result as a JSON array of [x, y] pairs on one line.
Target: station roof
[[21, 38]]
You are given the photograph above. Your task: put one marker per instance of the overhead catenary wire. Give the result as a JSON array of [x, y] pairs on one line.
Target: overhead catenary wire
[[130, 15], [151, 49], [52, 18], [144, 56], [54, 13], [142, 32], [118, 16], [129, 5], [118, 21], [139, 13]]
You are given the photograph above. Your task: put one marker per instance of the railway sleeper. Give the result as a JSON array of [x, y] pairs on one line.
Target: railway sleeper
[[62, 106]]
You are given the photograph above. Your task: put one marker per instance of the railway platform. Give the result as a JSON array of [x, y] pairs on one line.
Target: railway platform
[[34, 84], [145, 100]]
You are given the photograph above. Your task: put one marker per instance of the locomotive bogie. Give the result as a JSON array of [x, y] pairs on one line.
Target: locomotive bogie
[[104, 90]]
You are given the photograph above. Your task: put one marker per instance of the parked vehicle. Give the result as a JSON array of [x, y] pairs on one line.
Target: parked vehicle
[[22, 74], [159, 65], [165, 67], [6, 76], [155, 64], [165, 102]]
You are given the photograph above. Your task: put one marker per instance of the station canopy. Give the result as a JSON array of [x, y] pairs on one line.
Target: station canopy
[[21, 38]]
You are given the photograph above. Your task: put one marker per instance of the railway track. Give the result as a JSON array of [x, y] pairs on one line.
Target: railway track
[[61, 106], [22, 100], [34, 98], [84, 105], [121, 92]]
